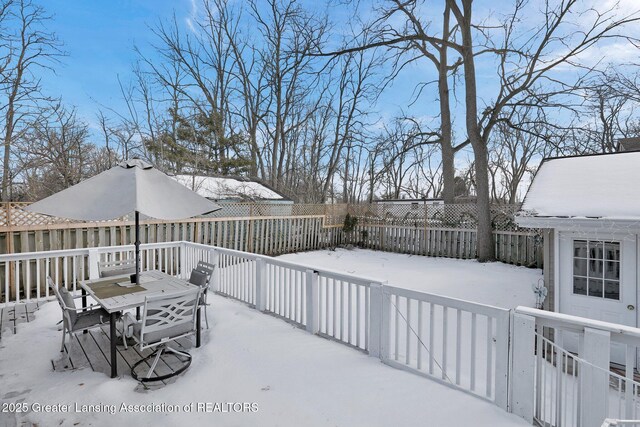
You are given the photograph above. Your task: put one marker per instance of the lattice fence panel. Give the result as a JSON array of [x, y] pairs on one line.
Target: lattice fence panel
[[458, 216]]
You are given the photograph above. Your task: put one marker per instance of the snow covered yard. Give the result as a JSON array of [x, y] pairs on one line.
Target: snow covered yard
[[293, 377], [497, 284]]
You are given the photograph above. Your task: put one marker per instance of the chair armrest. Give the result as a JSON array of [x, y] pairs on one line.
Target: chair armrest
[[89, 307]]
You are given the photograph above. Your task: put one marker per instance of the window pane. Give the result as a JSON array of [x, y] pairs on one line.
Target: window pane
[[580, 248], [612, 251], [612, 289], [580, 285], [595, 287], [612, 270], [596, 250], [595, 268], [579, 267]]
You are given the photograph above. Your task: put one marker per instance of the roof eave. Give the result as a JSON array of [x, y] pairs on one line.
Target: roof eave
[[581, 223]]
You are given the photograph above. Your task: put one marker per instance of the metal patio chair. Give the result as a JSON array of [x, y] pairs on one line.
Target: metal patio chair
[[75, 319], [166, 318], [201, 276]]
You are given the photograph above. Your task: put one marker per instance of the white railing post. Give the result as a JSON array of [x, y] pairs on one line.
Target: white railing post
[[379, 322], [522, 378], [502, 360], [261, 284], [594, 384], [215, 280], [94, 257], [312, 303], [183, 260]]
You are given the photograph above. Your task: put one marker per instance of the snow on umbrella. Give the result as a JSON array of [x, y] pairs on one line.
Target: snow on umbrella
[[132, 186]]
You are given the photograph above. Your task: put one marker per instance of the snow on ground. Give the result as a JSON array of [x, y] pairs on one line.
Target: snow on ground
[[497, 284], [293, 377]]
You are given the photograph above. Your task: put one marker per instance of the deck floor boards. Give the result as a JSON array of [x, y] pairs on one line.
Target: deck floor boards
[[92, 350]]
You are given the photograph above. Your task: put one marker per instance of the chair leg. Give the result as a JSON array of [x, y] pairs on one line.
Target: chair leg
[[204, 306], [124, 334], [69, 349], [155, 363], [64, 333]]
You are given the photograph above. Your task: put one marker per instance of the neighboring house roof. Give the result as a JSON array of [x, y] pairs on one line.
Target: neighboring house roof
[[408, 201], [230, 188], [603, 187], [629, 144]]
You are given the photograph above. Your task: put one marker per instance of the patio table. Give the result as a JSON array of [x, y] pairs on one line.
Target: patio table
[[116, 293]]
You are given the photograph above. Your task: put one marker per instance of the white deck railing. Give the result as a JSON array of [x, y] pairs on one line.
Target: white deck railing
[[513, 359], [403, 328], [556, 387]]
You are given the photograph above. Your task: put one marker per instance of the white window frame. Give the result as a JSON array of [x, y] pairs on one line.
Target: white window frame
[[604, 261]]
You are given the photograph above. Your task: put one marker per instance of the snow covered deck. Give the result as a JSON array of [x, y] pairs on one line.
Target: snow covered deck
[[292, 377]]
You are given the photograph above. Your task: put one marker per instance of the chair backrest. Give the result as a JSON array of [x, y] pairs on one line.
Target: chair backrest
[[201, 275], [116, 267], [65, 299], [167, 318]]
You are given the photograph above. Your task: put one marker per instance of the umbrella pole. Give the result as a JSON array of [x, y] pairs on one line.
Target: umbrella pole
[[137, 244]]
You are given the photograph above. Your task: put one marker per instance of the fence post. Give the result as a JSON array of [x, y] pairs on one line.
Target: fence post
[[93, 264], [378, 322], [522, 377], [215, 280], [502, 360], [261, 284], [312, 296], [183, 260], [594, 384]]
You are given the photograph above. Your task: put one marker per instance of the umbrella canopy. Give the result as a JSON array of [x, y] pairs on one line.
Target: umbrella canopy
[[131, 186]]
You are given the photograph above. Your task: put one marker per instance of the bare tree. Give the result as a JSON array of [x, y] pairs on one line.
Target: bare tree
[[26, 48], [54, 153], [513, 150], [525, 70]]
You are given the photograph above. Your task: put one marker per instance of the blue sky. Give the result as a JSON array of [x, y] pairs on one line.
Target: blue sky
[[99, 37]]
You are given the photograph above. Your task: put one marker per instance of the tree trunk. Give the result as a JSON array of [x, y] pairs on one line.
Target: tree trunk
[[446, 144], [485, 247]]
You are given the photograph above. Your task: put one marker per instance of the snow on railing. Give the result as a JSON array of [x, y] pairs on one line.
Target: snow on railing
[[577, 388], [609, 422]]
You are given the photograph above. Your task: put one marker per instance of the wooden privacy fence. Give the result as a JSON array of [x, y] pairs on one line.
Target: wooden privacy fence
[[262, 235], [512, 247]]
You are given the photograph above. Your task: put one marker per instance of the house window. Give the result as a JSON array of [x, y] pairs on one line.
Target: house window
[[596, 268]]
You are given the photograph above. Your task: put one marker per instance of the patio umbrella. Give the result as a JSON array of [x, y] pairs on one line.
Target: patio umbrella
[[133, 186]]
